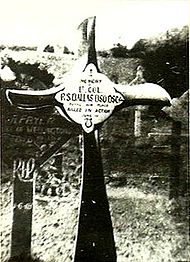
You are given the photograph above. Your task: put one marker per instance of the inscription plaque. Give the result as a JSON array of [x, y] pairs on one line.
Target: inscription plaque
[[90, 99]]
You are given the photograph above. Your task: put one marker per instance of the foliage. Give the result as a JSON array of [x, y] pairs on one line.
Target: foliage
[[119, 70], [49, 49], [103, 53], [166, 60], [2, 47], [66, 50], [119, 51], [24, 70], [179, 109], [19, 48], [139, 48]]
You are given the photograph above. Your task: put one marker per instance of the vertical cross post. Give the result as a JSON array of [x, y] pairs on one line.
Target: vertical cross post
[[95, 240]]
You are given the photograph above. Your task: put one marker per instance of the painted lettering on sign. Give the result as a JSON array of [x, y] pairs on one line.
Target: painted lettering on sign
[[22, 206], [25, 120], [23, 169], [90, 98], [26, 128]]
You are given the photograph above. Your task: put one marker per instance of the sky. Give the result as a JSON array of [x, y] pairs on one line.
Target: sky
[[42, 22]]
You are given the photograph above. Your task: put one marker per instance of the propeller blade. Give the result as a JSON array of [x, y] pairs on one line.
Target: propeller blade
[[92, 56], [28, 99], [144, 94]]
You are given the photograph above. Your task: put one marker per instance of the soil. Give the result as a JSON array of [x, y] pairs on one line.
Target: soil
[[147, 226]]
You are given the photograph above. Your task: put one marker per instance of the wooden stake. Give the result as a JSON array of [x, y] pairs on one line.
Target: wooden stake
[[22, 210]]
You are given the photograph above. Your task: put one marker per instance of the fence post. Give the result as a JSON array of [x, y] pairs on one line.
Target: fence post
[[175, 159]]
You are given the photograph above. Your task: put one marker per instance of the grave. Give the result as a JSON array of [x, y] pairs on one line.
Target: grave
[[84, 101], [24, 132]]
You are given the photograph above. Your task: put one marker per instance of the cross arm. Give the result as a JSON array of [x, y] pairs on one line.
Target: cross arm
[[27, 99], [144, 94]]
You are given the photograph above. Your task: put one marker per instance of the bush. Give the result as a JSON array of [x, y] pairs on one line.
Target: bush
[[49, 49], [166, 60], [103, 53], [119, 51], [66, 50]]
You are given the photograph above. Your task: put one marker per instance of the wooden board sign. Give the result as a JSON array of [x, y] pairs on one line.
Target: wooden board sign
[[23, 174], [24, 132]]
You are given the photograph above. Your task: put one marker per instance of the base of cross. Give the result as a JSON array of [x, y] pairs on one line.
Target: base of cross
[[95, 240]]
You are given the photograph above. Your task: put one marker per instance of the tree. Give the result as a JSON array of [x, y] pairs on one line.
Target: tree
[[103, 53], [166, 60], [66, 50], [139, 48], [119, 51], [49, 49]]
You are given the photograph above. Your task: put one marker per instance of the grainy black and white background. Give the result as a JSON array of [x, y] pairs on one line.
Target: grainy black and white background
[[144, 150]]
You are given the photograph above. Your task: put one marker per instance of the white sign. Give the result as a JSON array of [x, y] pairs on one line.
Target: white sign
[[90, 98]]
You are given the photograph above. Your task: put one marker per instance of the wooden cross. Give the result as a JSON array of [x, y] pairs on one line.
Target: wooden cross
[[87, 98]]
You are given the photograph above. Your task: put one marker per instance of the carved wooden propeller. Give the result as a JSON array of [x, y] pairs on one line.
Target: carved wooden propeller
[[89, 98]]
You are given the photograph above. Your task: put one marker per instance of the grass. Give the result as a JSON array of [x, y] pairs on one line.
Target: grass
[[144, 228]]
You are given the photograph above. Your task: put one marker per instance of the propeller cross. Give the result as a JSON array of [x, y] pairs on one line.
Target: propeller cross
[[87, 97]]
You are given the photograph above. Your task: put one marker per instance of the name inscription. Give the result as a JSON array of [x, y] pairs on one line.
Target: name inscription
[[89, 99]]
